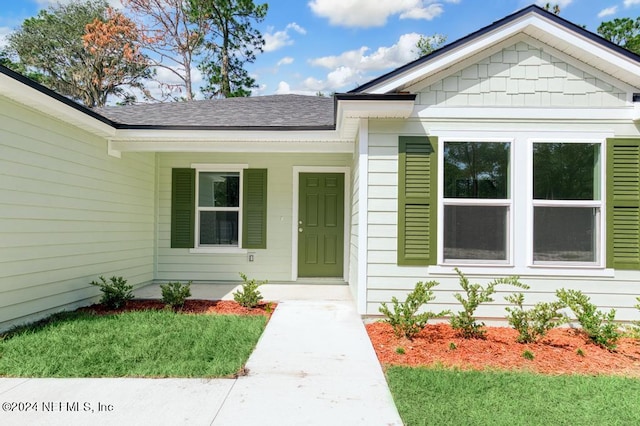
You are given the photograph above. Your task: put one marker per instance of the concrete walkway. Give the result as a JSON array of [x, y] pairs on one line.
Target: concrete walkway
[[314, 365]]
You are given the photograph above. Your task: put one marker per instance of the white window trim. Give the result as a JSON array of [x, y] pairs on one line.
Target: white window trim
[[230, 249], [600, 204], [522, 260], [442, 201]]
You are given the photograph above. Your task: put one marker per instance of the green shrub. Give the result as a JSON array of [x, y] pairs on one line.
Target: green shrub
[[403, 317], [599, 327], [636, 324], [114, 293], [248, 296], [534, 323], [464, 321], [528, 355], [174, 294]]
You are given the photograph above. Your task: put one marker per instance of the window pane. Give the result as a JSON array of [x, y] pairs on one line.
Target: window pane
[[219, 189], [219, 228], [566, 171], [475, 232], [476, 170], [566, 234]]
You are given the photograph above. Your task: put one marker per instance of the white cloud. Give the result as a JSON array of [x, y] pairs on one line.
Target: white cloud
[[351, 68], [283, 88], [171, 84], [297, 28], [383, 58], [608, 11], [4, 32], [278, 39], [629, 3], [426, 13], [367, 13], [169, 77], [287, 60]]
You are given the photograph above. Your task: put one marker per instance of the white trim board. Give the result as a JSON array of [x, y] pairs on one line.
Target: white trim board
[[363, 217]]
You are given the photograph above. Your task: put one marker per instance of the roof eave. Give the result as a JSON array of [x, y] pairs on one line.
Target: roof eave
[[365, 105], [518, 22], [40, 98]]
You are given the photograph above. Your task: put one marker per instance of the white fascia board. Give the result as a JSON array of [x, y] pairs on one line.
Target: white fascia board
[[166, 144], [530, 114], [262, 136], [374, 109], [350, 112], [45, 104], [524, 25], [623, 63]]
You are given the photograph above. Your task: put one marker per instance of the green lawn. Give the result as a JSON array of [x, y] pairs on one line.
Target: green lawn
[[133, 344], [449, 397]]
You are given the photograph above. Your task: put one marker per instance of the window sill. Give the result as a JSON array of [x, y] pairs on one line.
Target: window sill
[[542, 271], [218, 250]]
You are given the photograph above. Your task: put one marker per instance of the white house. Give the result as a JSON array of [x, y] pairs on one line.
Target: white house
[[512, 151]]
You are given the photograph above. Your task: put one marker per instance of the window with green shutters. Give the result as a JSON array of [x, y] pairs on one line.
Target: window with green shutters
[[531, 201], [417, 196], [623, 203], [207, 212]]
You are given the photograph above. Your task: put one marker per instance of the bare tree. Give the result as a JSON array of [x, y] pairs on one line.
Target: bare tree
[[172, 37]]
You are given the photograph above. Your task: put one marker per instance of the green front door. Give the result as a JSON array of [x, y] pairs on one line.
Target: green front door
[[321, 225]]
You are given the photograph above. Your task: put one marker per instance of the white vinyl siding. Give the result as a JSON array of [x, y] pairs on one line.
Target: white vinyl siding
[[386, 279], [68, 213]]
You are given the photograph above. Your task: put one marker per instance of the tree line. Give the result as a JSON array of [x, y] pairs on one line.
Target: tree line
[[89, 51]]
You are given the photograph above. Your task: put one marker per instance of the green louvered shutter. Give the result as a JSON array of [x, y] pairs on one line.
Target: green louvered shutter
[[254, 209], [417, 197], [623, 203], [183, 198]]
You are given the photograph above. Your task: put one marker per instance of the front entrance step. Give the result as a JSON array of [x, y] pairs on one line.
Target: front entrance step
[[321, 281]]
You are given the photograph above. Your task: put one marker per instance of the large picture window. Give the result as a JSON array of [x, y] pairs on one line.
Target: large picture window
[[567, 202], [218, 214], [477, 201]]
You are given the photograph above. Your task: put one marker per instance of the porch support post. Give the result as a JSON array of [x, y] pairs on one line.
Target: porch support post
[[363, 216]]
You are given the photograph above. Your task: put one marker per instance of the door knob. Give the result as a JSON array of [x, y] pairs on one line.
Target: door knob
[[299, 229]]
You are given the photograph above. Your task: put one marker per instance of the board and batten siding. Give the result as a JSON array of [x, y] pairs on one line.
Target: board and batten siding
[[274, 262], [68, 213], [386, 279]]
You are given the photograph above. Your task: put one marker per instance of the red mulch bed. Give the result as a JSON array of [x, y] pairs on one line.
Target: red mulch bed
[[191, 306], [556, 353]]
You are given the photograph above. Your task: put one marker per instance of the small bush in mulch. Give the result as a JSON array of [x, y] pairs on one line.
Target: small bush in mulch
[[190, 306]]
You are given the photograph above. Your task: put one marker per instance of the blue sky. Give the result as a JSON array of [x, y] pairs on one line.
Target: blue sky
[[335, 45]]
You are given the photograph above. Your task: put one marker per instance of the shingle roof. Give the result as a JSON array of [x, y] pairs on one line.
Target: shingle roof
[[275, 111]]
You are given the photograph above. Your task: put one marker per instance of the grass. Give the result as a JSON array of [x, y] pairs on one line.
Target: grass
[[437, 396], [132, 344]]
